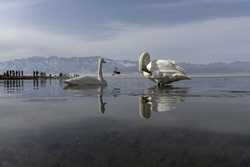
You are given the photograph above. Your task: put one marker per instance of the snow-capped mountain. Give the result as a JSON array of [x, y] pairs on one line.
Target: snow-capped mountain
[[66, 65], [89, 65]]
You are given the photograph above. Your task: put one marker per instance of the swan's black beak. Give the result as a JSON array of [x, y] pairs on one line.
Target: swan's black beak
[[104, 61]]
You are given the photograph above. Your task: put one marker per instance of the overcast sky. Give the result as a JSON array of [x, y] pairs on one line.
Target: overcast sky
[[196, 31]]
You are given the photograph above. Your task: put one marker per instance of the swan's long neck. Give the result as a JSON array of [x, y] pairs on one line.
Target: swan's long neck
[[143, 61], [99, 74]]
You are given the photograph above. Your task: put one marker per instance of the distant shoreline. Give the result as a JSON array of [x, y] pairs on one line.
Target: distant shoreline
[[194, 75]]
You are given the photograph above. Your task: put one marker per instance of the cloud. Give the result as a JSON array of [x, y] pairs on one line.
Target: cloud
[[222, 39], [6, 5], [180, 3]]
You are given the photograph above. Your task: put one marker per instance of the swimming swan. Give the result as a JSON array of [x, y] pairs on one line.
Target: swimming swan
[[161, 72], [89, 80]]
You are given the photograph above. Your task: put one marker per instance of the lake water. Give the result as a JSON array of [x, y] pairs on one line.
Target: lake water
[[201, 122]]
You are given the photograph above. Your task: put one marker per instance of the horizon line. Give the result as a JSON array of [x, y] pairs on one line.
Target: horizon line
[[64, 57]]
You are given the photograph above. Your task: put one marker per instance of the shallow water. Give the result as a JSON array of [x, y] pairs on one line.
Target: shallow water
[[201, 122]]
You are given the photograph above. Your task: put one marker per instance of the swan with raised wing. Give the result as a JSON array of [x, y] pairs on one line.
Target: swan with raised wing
[[89, 80], [162, 72]]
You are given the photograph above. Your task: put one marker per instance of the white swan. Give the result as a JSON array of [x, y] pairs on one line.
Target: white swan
[[89, 80], [161, 72]]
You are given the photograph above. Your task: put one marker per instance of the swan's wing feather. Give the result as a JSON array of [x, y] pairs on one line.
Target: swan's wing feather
[[164, 71], [86, 80], [164, 66]]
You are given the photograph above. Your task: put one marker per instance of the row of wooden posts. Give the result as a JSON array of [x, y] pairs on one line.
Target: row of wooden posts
[[19, 74], [39, 74], [13, 73]]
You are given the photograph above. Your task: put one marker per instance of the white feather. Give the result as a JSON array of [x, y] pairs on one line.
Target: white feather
[[160, 71]]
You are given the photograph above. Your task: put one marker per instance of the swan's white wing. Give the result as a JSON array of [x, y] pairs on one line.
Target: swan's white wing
[[166, 71], [87, 80], [161, 65]]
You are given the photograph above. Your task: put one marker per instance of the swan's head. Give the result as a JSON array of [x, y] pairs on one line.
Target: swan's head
[[144, 60], [101, 60]]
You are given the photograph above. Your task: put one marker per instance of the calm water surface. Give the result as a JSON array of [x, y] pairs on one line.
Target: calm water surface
[[201, 122]]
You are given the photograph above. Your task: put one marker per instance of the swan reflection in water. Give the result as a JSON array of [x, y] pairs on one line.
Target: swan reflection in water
[[160, 100], [153, 99], [101, 103], [91, 90]]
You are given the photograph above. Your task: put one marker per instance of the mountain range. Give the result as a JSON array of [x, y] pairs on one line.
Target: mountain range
[[66, 65], [88, 65]]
